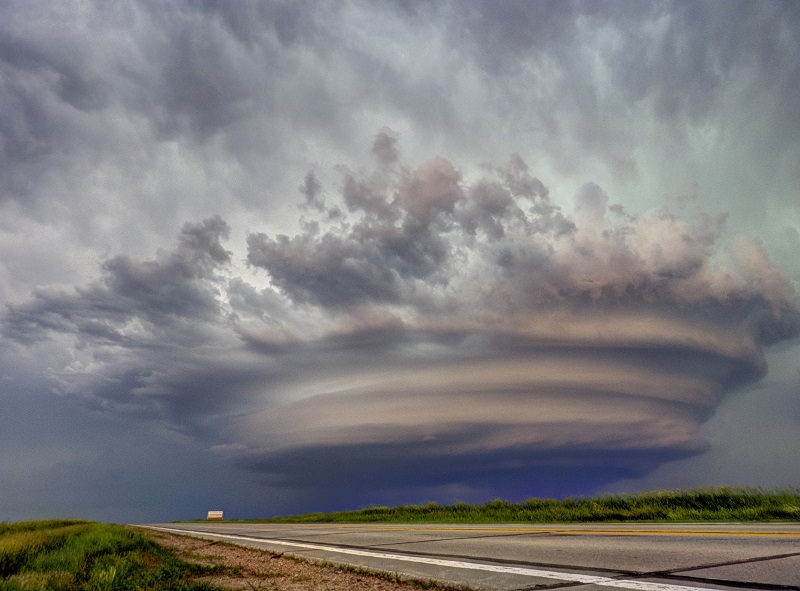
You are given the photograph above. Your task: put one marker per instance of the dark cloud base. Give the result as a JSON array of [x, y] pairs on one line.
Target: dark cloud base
[[347, 477]]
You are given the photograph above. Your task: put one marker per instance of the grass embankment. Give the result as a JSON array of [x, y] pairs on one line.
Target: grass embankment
[[77, 555], [713, 504]]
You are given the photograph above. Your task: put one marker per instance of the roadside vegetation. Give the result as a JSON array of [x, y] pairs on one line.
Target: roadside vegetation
[[78, 555], [710, 504]]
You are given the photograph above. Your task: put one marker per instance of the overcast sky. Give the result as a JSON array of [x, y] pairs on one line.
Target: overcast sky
[[274, 257]]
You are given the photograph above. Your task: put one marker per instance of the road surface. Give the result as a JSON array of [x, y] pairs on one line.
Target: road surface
[[650, 557]]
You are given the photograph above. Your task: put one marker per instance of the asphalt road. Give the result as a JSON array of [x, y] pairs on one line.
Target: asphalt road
[[651, 557]]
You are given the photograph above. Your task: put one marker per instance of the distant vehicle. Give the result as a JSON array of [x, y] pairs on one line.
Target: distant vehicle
[[214, 516]]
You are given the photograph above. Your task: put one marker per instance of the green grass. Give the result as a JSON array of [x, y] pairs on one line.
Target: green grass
[[711, 504], [20, 545], [22, 526], [86, 556]]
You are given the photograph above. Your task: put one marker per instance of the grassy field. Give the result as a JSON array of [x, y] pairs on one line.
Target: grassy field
[[714, 504], [75, 555]]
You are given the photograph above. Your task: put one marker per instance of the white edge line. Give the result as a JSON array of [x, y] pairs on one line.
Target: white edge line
[[515, 570]]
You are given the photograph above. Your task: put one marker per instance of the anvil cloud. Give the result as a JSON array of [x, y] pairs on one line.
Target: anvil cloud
[[331, 255]]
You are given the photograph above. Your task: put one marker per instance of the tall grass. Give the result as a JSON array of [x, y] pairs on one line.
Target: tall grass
[[90, 557], [17, 548], [710, 504], [21, 526]]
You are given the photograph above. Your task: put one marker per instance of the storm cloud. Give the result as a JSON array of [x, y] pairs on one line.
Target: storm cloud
[[352, 253], [530, 339], [466, 331]]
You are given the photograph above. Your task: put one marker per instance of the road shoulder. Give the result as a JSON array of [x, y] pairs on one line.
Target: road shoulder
[[253, 568]]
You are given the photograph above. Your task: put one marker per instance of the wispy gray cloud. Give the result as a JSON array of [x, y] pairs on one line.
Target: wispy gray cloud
[[159, 295], [465, 243]]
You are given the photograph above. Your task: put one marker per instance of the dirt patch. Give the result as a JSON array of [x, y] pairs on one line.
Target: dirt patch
[[251, 568]]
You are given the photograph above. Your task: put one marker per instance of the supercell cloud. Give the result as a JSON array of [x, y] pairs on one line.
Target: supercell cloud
[[465, 334], [335, 255]]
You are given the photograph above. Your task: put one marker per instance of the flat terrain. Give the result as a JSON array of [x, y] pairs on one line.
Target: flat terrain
[[251, 569], [717, 504], [61, 555], [655, 557]]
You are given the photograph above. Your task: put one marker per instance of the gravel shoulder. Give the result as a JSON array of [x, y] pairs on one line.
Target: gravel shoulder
[[251, 568]]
